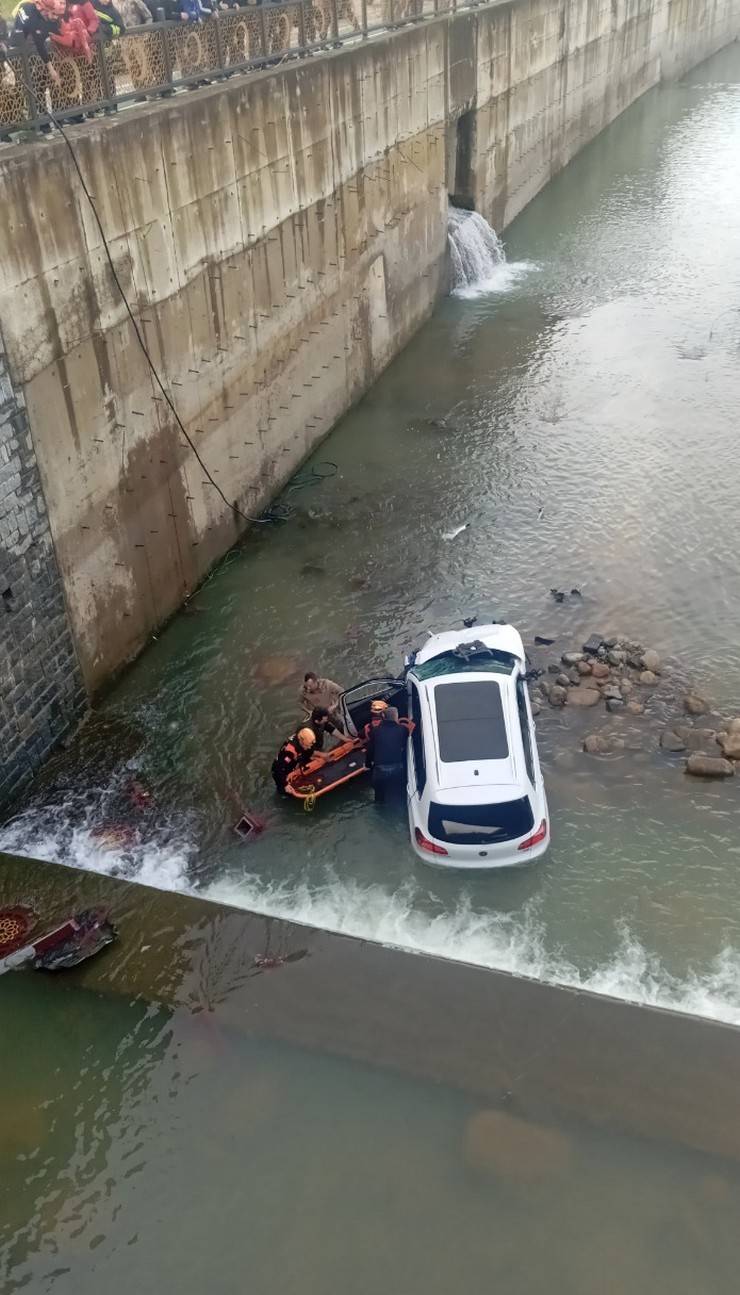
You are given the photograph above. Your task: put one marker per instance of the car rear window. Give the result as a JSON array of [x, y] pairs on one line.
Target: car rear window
[[470, 721], [480, 824]]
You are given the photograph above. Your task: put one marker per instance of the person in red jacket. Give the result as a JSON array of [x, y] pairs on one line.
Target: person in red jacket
[[77, 29]]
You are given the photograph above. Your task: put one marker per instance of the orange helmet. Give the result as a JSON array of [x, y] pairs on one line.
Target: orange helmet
[[306, 738], [378, 706]]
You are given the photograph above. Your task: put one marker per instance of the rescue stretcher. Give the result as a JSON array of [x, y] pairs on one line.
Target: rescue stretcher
[[328, 770]]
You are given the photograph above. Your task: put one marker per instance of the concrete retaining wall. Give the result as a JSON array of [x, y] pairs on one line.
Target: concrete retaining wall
[[280, 238], [41, 693]]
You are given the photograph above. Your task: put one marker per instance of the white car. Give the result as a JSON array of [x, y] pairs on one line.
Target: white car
[[475, 791]]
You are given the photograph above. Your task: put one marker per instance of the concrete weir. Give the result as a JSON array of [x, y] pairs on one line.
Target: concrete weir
[[280, 237], [538, 1051]]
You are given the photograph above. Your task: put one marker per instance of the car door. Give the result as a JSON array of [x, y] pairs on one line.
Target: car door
[[417, 771], [354, 704]]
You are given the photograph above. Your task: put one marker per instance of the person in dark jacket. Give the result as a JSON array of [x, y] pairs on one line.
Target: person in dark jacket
[[293, 754], [111, 22], [37, 20], [193, 11], [386, 756]]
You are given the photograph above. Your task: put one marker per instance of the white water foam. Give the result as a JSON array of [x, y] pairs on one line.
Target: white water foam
[[161, 863], [500, 941], [478, 262], [503, 942]]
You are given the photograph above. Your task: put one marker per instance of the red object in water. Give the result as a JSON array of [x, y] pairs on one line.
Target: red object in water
[[59, 935], [138, 795], [16, 924]]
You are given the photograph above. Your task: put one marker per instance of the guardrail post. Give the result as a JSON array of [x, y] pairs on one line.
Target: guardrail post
[[302, 28], [263, 17], [166, 52], [109, 88], [334, 20], [32, 105], [219, 44], [391, 13], [364, 18]]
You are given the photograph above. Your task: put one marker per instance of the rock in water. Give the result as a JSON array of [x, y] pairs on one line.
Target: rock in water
[[635, 708], [697, 739], [276, 669], [592, 645], [615, 704], [730, 743], [583, 668], [600, 670], [709, 766], [557, 696], [694, 705], [572, 658], [596, 745], [514, 1149], [671, 741], [648, 679], [651, 661], [581, 696]]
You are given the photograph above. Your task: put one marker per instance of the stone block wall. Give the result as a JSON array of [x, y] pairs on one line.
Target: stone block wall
[[41, 693]]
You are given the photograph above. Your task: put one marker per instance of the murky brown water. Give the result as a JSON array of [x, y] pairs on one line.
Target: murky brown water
[[582, 420], [150, 1150]]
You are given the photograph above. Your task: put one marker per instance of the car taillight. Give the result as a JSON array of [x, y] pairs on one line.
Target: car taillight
[[536, 837], [425, 844]]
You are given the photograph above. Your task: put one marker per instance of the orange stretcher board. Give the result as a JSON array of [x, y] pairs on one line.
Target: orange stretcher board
[[328, 770]]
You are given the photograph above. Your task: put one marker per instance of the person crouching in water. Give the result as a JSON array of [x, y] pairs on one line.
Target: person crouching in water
[[386, 756], [293, 754]]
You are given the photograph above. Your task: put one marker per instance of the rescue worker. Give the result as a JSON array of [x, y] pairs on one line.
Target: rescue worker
[[324, 725], [377, 709], [319, 692], [386, 756], [293, 754]]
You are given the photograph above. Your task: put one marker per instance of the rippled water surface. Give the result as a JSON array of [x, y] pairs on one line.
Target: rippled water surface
[[581, 416], [152, 1151]]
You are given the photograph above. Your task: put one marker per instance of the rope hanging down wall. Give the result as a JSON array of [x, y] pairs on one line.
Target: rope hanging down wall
[[230, 504]]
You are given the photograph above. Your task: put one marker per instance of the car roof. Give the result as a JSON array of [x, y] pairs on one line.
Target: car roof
[[481, 777], [503, 637]]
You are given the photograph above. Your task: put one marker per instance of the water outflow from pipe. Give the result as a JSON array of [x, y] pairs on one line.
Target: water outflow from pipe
[[475, 249]]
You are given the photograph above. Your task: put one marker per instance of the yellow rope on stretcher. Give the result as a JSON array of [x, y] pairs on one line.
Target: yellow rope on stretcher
[[309, 800]]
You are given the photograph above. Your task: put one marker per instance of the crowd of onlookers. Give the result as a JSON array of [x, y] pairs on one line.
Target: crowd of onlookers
[[74, 26]]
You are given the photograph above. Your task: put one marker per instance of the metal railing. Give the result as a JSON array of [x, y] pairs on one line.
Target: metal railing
[[157, 59]]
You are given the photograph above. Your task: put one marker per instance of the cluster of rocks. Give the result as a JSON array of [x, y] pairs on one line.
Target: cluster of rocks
[[621, 676], [609, 671], [711, 752]]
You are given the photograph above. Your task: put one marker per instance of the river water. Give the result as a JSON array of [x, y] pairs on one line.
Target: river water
[[149, 1150], [578, 412]]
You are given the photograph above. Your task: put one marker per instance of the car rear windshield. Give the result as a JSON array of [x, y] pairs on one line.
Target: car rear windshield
[[480, 824], [470, 721]]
